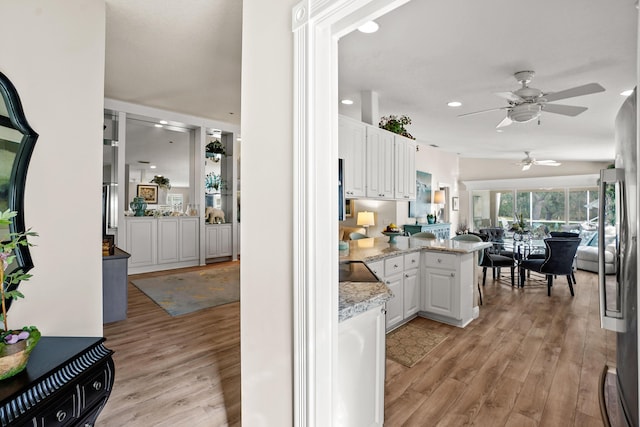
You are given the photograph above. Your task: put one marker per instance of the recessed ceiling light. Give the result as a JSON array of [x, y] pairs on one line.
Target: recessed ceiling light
[[369, 27], [157, 125], [626, 92], [454, 104], [499, 130], [152, 167], [164, 122], [347, 102]]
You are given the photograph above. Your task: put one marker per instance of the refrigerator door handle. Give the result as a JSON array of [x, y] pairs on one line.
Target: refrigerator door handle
[[611, 294]]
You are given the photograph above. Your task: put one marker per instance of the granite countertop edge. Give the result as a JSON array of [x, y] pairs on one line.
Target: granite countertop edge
[[358, 297]]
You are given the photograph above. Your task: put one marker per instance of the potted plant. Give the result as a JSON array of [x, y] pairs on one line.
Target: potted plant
[[162, 181], [396, 125], [215, 147], [431, 218], [15, 344]]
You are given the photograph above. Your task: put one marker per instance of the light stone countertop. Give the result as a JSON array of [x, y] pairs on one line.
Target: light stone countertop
[[358, 297]]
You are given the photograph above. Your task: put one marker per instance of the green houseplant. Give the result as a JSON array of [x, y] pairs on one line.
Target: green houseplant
[[162, 181], [396, 125], [15, 344]]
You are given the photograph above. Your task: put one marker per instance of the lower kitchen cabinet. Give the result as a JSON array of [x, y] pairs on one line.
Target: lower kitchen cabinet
[[359, 397], [447, 287], [401, 274]]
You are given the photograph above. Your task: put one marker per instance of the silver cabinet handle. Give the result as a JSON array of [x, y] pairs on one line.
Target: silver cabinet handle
[[406, 275], [383, 310], [453, 274], [439, 260]]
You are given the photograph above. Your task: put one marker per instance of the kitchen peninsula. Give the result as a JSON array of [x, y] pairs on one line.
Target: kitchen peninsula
[[432, 278]]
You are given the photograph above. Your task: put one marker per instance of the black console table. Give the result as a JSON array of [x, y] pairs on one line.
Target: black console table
[[66, 383]]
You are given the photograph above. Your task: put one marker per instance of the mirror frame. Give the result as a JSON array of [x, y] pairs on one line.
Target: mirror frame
[[17, 182]]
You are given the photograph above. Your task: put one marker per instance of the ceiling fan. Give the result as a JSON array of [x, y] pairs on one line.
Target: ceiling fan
[[529, 161], [527, 103]]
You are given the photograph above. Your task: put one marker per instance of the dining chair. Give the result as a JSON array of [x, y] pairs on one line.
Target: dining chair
[[424, 235], [558, 261]]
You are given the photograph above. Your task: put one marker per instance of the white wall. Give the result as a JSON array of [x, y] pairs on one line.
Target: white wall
[[266, 270], [55, 58]]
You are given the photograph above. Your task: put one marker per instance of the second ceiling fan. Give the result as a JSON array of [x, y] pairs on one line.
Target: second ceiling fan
[[527, 103]]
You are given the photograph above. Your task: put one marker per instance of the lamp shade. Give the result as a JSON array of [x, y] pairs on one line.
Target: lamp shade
[[438, 197], [365, 218]]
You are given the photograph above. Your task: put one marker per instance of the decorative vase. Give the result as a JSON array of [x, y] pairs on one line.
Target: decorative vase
[[431, 220], [138, 206], [14, 357]]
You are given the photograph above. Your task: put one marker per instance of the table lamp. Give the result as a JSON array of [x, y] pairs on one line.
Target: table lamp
[[438, 199], [365, 219]]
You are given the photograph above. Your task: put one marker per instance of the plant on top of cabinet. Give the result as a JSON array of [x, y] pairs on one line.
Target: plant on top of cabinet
[[162, 181], [396, 124], [215, 147]]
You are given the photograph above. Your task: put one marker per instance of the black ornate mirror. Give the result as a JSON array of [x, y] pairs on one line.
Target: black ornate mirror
[[17, 140]]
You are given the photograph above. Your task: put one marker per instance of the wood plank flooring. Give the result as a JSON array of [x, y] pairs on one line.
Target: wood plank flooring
[[528, 360]]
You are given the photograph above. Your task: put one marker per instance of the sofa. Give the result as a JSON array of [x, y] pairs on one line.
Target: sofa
[[587, 258], [344, 232]]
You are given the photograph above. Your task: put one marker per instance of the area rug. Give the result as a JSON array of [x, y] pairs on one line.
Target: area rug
[[410, 343], [192, 291]]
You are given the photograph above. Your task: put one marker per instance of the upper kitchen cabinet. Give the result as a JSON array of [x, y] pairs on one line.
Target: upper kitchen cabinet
[[405, 168], [380, 163], [352, 148]]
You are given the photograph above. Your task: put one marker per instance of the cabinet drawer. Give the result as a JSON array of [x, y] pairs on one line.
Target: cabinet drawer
[[411, 260], [440, 260], [95, 387], [393, 265], [61, 414], [377, 267]]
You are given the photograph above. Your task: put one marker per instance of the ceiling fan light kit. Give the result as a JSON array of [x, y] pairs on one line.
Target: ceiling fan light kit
[[529, 161], [527, 103]]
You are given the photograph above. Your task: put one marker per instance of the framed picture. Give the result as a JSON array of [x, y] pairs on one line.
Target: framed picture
[[455, 204], [348, 208], [148, 192], [422, 206]]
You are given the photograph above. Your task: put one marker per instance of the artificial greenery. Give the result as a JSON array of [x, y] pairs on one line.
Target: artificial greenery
[[215, 147], [163, 182], [7, 247], [214, 182], [396, 124]]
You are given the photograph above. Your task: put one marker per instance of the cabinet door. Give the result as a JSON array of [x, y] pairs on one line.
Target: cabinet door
[[359, 398], [212, 241], [405, 168], [142, 241], [411, 284], [440, 290], [380, 158], [189, 239], [168, 235], [352, 140], [395, 306], [224, 242]]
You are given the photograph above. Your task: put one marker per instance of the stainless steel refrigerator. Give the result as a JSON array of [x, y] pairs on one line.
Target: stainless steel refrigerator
[[618, 294]]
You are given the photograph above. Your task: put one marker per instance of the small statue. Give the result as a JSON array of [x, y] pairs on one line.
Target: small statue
[[214, 215]]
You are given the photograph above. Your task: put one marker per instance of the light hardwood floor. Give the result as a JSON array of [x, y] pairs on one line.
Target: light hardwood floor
[[528, 360]]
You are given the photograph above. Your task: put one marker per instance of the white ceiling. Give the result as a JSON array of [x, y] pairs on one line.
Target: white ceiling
[[186, 57]]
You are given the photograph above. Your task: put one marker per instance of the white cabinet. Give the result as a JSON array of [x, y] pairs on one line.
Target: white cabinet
[[380, 163], [352, 139], [447, 287], [141, 242], [218, 240], [405, 168], [401, 275], [359, 396], [162, 243]]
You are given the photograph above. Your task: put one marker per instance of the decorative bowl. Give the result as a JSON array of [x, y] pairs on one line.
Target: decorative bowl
[[392, 235]]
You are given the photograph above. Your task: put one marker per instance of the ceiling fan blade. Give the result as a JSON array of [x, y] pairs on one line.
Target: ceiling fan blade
[[566, 110], [505, 122], [509, 96], [576, 91], [526, 167], [482, 111]]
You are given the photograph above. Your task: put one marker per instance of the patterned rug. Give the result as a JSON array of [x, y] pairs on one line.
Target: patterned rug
[[188, 292], [410, 343]]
